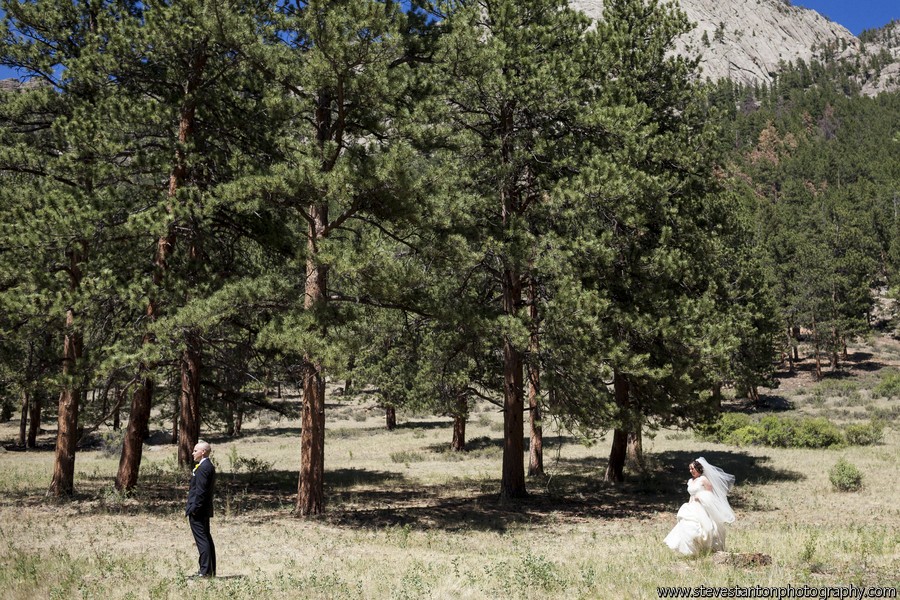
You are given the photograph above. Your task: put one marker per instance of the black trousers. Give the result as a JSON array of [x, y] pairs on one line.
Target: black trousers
[[205, 545]]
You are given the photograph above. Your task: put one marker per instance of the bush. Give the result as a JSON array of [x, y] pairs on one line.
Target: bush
[[771, 430], [722, 428], [779, 432], [407, 456], [888, 387], [839, 388], [751, 435], [864, 434], [817, 433], [111, 442], [845, 476]]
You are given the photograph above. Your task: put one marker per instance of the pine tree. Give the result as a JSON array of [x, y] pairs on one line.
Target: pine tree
[[63, 227], [516, 75], [345, 163]]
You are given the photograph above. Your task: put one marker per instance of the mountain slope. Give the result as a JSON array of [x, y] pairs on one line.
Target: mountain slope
[[750, 40]]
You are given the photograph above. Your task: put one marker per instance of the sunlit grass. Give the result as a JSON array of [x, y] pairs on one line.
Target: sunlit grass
[[408, 518]]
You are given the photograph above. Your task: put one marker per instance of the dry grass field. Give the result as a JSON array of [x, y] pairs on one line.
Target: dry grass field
[[408, 519]]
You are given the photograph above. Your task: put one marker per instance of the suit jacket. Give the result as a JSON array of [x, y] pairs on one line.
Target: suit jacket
[[200, 495]]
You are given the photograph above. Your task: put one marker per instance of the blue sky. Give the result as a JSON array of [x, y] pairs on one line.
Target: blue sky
[[855, 15]]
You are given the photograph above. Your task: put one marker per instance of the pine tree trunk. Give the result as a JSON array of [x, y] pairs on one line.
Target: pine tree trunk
[[792, 350], [835, 342], [189, 433], [348, 383], [23, 422], [512, 484], [615, 469], [618, 453], [816, 346], [133, 443], [536, 442], [634, 453], [796, 334], [67, 429], [460, 416], [390, 418], [458, 444], [117, 424], [142, 400], [310, 488], [239, 418], [229, 417], [34, 425], [754, 395], [176, 409], [717, 397]]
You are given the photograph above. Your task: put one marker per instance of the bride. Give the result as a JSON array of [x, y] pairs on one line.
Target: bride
[[701, 520]]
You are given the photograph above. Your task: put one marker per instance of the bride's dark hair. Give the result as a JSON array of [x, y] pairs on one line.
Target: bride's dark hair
[[698, 466]]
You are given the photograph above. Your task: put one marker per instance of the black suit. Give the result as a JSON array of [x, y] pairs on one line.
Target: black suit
[[199, 510]]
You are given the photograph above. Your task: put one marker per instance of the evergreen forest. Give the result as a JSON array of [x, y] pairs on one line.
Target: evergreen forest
[[207, 204]]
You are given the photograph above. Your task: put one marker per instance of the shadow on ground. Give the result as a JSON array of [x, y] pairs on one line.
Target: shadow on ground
[[374, 499], [576, 493]]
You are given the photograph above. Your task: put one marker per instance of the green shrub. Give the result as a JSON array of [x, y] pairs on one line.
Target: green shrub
[[834, 387], [407, 456], [817, 433], [779, 432], [111, 442], [722, 428], [864, 434], [888, 387], [884, 413], [751, 435], [845, 476], [773, 430]]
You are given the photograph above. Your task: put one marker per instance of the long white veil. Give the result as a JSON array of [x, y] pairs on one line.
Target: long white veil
[[722, 483]]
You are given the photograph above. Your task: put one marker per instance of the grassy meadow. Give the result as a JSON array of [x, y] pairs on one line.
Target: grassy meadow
[[406, 518]]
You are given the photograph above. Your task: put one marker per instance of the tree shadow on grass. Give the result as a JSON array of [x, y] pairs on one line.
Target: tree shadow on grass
[[574, 493], [773, 403], [484, 442], [370, 499], [424, 425]]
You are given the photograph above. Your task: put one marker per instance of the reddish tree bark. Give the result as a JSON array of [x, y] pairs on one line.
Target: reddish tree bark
[[310, 488], [635, 448], [133, 443], [816, 346], [118, 410], [63, 480], [512, 483], [23, 421], [189, 432], [460, 417], [618, 453], [536, 443], [132, 447], [390, 418], [34, 423]]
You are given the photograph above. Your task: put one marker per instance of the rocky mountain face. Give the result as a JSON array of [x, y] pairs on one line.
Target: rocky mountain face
[[749, 40], [15, 84]]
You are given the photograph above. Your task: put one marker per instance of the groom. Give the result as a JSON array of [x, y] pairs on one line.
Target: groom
[[200, 508]]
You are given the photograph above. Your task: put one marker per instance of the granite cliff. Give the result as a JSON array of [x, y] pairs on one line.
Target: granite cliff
[[749, 41]]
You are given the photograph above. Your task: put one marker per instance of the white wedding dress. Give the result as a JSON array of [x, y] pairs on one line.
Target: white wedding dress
[[701, 522]]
